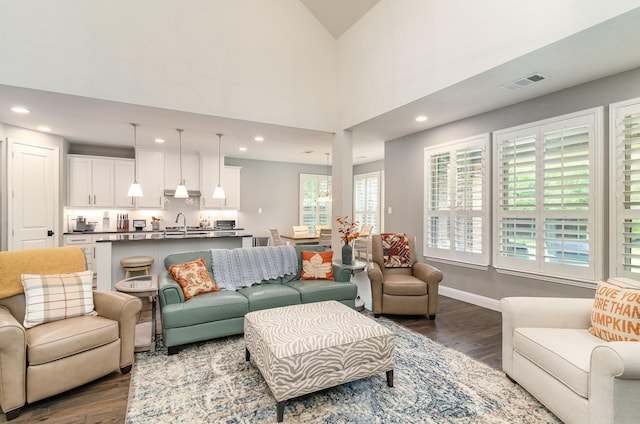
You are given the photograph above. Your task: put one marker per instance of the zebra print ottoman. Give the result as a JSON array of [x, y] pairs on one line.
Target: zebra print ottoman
[[300, 349]]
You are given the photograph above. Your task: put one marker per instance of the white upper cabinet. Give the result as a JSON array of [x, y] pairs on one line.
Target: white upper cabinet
[[150, 165], [209, 171], [90, 181], [231, 185], [190, 170], [123, 179]]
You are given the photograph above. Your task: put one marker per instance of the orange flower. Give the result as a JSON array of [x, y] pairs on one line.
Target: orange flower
[[348, 231]]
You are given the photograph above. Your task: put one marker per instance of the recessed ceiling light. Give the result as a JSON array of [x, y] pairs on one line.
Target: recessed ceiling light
[[242, 149], [259, 138], [159, 140], [20, 109], [421, 118], [44, 128]]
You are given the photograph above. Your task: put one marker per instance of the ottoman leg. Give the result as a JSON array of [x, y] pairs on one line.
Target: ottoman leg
[[390, 378], [247, 354], [280, 411]]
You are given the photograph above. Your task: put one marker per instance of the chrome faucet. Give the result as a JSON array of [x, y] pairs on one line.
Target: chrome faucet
[[184, 221]]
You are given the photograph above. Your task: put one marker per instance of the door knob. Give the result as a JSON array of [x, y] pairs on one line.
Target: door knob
[[50, 233]]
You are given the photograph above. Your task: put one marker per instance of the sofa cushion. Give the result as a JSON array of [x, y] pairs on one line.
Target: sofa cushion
[[265, 296], [52, 297], [193, 277], [59, 339], [403, 285], [565, 353], [616, 312], [208, 307], [322, 290], [317, 265]]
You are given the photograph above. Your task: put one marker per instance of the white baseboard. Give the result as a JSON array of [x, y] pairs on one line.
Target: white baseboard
[[474, 299]]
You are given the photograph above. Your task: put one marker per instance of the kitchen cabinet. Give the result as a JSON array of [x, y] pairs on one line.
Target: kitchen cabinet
[[190, 170], [122, 180], [90, 181], [230, 182], [86, 242], [150, 164]]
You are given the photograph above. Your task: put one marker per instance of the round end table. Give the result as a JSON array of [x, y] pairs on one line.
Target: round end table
[[143, 286]]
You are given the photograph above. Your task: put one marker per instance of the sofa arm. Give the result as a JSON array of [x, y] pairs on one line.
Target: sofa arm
[[13, 362], [432, 276], [615, 382], [125, 309], [169, 291], [540, 312], [341, 274], [376, 278]]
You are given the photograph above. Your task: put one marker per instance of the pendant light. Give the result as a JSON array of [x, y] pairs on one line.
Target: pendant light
[[326, 195], [134, 189], [218, 193], [181, 190]]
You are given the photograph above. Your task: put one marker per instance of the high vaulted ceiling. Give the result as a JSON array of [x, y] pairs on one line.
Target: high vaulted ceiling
[[594, 53]]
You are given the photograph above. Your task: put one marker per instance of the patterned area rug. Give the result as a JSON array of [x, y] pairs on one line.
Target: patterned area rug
[[211, 382]]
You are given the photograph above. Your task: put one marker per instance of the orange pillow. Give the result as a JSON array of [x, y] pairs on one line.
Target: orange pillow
[[317, 265], [194, 278], [616, 312]]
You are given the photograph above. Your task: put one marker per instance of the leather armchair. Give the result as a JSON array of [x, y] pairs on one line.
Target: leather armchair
[[50, 358], [402, 291]]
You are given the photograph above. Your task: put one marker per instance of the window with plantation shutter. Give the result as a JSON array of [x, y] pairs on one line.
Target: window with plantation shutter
[[366, 200], [624, 214], [456, 213], [547, 184], [313, 211]]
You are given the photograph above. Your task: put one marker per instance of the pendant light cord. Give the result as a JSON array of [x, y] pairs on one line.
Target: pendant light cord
[[135, 137], [219, 161], [180, 136]]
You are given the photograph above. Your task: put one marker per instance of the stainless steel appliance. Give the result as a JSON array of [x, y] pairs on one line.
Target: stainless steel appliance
[[225, 224]]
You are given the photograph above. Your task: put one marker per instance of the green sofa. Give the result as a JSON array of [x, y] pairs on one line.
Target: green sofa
[[220, 314]]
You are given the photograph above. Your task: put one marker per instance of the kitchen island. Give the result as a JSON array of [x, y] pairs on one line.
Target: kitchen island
[[110, 249]]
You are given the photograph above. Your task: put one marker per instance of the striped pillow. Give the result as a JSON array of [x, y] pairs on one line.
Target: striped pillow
[[54, 297]]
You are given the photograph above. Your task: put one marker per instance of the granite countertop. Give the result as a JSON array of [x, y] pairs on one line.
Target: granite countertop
[[161, 236]]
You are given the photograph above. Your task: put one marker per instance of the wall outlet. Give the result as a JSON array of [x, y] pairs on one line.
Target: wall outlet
[[259, 210], [389, 210]]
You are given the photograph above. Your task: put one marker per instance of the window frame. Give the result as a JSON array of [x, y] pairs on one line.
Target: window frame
[[378, 212], [450, 254], [617, 212], [539, 268], [320, 179]]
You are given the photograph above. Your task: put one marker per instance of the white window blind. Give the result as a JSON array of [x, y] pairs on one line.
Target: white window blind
[[624, 214], [456, 221], [546, 185], [313, 212], [366, 200]]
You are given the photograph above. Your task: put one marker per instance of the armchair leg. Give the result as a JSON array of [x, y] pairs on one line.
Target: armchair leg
[[432, 317], [126, 370], [13, 414]]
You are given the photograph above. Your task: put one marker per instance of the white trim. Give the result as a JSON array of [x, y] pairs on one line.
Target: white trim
[[474, 299], [456, 263], [549, 278]]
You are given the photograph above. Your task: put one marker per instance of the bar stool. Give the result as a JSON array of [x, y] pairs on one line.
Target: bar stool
[[136, 264]]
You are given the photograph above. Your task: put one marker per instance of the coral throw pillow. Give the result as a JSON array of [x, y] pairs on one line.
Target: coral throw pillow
[[395, 250], [193, 277], [616, 312], [317, 265], [54, 297]]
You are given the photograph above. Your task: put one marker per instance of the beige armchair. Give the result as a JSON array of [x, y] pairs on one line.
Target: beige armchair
[[50, 358], [404, 291]]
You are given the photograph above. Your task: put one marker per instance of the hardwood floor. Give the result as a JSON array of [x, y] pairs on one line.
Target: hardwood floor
[[467, 328]]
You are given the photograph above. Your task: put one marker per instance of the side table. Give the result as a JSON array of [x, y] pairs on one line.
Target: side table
[[355, 266], [143, 286]]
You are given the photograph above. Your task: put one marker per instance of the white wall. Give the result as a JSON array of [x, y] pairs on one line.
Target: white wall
[[265, 61], [401, 51]]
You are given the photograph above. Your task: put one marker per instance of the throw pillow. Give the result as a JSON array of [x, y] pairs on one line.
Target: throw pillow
[[616, 312], [53, 297], [317, 265], [193, 277], [395, 250]]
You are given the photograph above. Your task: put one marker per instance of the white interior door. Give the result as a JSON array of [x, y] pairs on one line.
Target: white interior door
[[33, 195]]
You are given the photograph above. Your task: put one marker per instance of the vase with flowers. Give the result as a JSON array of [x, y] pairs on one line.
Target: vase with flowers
[[348, 233]]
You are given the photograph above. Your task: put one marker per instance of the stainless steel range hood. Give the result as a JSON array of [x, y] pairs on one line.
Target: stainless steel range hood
[[192, 193]]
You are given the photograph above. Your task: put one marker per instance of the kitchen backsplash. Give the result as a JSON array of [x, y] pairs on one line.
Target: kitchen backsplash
[[106, 219]]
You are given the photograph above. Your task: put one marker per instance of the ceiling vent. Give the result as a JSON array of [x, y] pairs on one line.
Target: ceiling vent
[[523, 82]]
